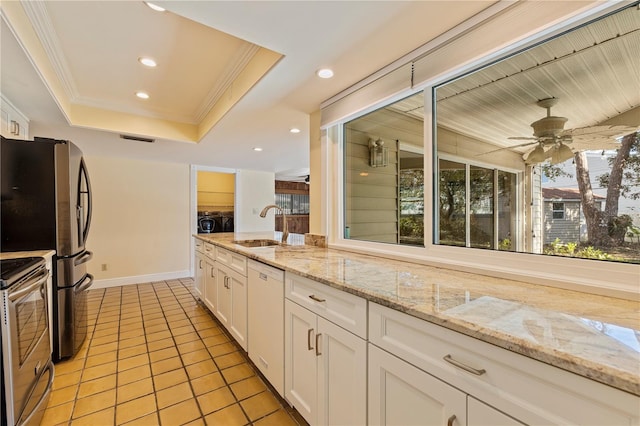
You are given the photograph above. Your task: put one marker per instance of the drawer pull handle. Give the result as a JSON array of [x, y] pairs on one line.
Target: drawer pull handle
[[309, 338], [316, 298], [263, 361], [464, 367], [15, 127], [318, 353], [451, 420]]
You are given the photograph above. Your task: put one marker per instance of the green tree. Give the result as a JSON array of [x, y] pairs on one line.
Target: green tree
[[630, 182], [603, 226]]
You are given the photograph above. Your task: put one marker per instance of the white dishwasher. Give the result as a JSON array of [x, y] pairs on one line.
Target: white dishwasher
[[265, 335]]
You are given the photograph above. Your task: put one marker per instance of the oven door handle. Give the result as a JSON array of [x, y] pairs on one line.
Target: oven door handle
[[86, 256], [34, 283], [44, 396], [82, 286]]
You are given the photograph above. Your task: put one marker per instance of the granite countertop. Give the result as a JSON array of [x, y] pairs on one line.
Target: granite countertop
[[20, 254], [593, 336]]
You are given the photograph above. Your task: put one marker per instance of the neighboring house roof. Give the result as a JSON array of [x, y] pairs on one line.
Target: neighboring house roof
[[566, 194]]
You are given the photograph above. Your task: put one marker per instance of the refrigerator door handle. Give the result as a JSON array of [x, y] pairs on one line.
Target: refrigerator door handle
[[84, 202], [83, 287], [86, 256]]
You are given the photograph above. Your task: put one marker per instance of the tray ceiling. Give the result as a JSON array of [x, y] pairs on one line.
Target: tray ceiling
[[91, 65]]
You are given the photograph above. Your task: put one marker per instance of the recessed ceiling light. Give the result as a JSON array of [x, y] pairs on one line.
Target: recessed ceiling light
[[364, 174], [155, 6], [142, 95], [325, 73], [257, 149], [294, 130], [148, 62]]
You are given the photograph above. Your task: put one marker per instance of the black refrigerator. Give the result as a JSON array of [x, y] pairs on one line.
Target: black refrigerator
[[46, 204]]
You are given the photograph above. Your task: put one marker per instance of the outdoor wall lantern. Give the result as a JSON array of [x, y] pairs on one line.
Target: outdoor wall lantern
[[378, 153]]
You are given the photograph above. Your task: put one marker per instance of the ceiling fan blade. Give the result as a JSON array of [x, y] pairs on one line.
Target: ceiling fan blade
[[508, 147], [595, 144], [522, 138], [600, 131]]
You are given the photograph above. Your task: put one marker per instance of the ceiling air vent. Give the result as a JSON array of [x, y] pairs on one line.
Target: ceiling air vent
[[137, 138]]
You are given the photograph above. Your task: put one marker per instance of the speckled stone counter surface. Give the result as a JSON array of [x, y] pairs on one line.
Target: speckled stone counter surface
[[594, 336], [19, 254]]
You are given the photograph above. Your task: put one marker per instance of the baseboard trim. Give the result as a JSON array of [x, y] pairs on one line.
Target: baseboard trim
[[140, 279]]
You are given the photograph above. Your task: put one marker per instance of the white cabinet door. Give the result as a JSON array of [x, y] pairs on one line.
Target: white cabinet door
[[231, 308], [210, 288], [325, 369], [400, 394], [480, 414], [200, 276], [223, 308], [238, 315], [342, 376], [14, 125], [300, 377], [4, 123]]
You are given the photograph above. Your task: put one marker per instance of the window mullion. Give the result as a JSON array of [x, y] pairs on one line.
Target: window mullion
[[467, 204], [496, 219]]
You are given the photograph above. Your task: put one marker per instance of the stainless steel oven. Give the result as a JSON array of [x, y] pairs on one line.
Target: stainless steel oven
[[27, 369]]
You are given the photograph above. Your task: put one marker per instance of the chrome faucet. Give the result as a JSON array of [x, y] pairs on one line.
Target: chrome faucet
[[285, 228]]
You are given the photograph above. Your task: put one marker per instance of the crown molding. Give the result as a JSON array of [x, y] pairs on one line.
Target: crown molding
[[242, 58], [36, 12]]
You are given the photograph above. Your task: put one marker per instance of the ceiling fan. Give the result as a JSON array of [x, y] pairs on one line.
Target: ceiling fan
[[553, 141], [296, 175]]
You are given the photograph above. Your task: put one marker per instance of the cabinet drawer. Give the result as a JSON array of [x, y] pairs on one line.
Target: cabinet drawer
[[341, 308], [199, 245], [528, 390], [209, 250], [235, 261], [263, 271]]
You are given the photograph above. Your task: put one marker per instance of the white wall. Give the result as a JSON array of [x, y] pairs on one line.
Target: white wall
[[254, 191], [140, 221]]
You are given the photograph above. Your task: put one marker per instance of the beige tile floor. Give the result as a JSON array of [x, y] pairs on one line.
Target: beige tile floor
[[154, 356]]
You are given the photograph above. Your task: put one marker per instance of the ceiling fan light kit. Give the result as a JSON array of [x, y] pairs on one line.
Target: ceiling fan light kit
[[560, 154], [538, 155]]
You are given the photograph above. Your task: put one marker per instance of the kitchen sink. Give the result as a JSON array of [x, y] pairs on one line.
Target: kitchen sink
[[257, 243]]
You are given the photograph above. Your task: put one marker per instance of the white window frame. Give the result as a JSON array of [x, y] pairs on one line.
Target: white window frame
[[554, 210], [599, 277], [519, 237]]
